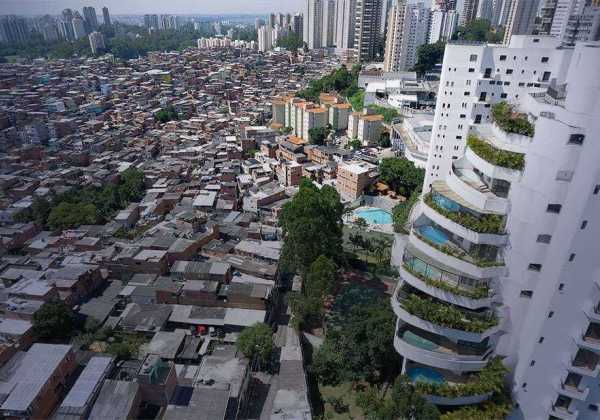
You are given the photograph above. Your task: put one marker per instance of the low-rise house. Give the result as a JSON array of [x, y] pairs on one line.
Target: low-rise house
[[118, 400]]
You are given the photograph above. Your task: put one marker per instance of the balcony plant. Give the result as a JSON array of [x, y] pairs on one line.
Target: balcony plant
[[490, 380], [475, 293], [511, 122], [461, 254], [488, 223], [447, 315], [495, 156]]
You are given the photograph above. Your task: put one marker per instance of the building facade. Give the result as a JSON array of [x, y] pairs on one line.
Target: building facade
[[408, 29], [367, 36]]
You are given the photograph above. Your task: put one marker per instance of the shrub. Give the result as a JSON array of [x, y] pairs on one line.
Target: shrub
[[490, 380], [401, 212], [511, 122], [498, 157], [488, 223], [475, 293], [447, 315]]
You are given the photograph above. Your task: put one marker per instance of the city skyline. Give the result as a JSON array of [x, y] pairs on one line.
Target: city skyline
[[139, 7]]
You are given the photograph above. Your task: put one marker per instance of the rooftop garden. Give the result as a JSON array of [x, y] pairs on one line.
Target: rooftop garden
[[488, 223], [495, 156], [510, 121], [489, 380], [447, 315], [474, 293]]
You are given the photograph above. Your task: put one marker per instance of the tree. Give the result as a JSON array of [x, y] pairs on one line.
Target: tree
[[478, 30], [405, 403], [166, 114], [384, 140], [357, 100], [54, 321], [355, 144], [401, 175], [317, 135], [388, 113], [290, 42], [359, 342], [320, 278], [256, 341], [428, 55], [361, 223], [312, 226]]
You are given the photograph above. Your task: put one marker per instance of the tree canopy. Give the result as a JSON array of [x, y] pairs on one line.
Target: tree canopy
[[388, 113], [256, 341], [166, 114], [290, 42], [478, 30], [359, 343], [401, 175], [312, 226], [428, 55], [54, 321], [340, 80], [318, 135], [405, 403]]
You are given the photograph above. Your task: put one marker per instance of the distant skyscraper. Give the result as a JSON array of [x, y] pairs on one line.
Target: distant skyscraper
[[96, 42], [298, 25], [271, 20], [329, 27], [583, 27], [106, 16], [367, 38], [313, 25], [66, 25], [408, 28], [264, 38], [442, 25], [78, 26], [521, 18], [288, 21], [345, 23], [13, 29], [91, 21], [151, 21]]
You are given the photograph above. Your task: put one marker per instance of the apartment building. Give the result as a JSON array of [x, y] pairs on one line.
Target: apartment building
[[366, 128], [352, 179], [367, 32], [502, 233]]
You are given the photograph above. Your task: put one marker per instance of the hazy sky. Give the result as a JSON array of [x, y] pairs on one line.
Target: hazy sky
[[32, 7]]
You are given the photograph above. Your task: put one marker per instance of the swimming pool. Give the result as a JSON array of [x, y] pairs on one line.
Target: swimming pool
[[423, 374], [374, 216], [434, 235]]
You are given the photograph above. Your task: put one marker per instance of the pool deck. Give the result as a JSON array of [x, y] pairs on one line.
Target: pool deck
[[384, 228]]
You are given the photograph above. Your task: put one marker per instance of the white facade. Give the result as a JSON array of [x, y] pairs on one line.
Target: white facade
[[442, 25], [520, 17], [313, 24], [345, 17], [329, 27], [367, 35], [78, 27], [408, 28], [544, 284], [96, 42], [265, 41]]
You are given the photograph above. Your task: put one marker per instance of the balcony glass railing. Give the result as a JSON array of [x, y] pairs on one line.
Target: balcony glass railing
[[444, 280]]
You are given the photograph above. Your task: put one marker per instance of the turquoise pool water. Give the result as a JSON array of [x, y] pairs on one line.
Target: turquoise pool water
[[375, 216], [434, 235], [423, 374]]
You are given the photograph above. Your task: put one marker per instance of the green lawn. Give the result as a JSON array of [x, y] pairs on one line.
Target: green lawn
[[348, 396]]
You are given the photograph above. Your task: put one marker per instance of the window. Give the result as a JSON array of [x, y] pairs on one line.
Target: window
[[536, 40], [534, 267], [544, 239], [467, 93], [477, 119], [596, 189], [458, 137], [564, 176], [524, 385], [532, 363], [576, 139], [502, 58], [561, 287], [583, 224], [550, 314], [593, 407], [541, 340], [509, 71], [463, 116], [471, 70], [473, 57], [546, 76], [545, 59], [553, 208], [503, 95], [521, 84], [526, 294], [571, 257]]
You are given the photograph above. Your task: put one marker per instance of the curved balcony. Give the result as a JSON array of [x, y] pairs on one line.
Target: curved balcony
[[449, 295], [461, 229], [451, 333], [415, 347], [490, 169], [447, 379], [468, 186], [500, 139], [462, 264]]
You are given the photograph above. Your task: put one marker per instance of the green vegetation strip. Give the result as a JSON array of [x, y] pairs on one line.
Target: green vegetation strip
[[488, 223], [511, 122], [489, 380], [495, 156], [447, 315], [475, 293]]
